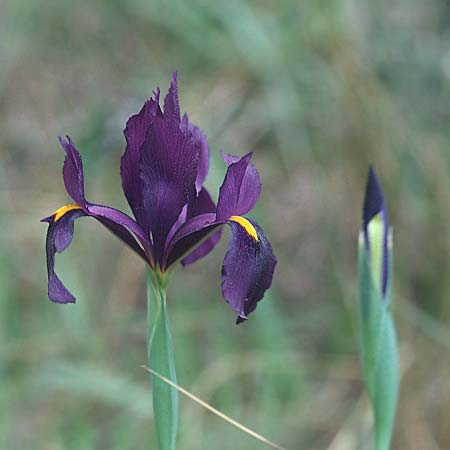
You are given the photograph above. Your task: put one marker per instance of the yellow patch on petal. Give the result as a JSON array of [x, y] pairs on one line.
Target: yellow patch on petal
[[63, 210], [248, 227]]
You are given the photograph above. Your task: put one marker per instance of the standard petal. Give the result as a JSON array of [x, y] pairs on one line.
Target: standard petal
[[73, 172], [203, 157], [248, 267], [250, 187], [171, 104], [169, 159], [135, 133], [203, 160], [229, 203]]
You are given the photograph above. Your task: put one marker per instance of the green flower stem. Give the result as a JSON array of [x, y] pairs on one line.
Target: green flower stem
[[161, 359]]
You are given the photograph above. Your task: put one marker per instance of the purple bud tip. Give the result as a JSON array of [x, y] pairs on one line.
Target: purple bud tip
[[375, 205], [374, 199]]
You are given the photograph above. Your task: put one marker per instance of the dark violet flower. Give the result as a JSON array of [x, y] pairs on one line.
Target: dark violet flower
[[163, 168], [376, 231]]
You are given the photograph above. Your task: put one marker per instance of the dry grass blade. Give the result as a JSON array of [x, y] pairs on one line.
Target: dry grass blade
[[215, 411]]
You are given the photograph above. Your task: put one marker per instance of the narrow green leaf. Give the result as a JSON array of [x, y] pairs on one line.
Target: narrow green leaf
[[161, 359]]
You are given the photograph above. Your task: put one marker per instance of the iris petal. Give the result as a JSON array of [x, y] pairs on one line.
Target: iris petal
[[203, 157], [202, 205], [248, 266], [123, 234], [59, 236], [135, 133], [250, 187], [240, 188], [205, 248], [189, 236], [73, 172], [169, 159], [239, 192], [247, 269], [163, 168], [171, 104], [119, 223]]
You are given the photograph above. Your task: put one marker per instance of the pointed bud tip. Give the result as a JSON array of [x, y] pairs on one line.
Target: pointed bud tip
[[374, 199]]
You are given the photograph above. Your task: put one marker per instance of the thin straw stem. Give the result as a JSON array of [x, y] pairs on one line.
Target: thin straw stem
[[215, 411]]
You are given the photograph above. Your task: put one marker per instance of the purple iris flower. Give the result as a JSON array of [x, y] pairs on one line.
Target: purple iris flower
[[374, 210], [163, 168]]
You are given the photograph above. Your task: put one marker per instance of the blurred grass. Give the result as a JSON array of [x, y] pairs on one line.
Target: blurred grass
[[318, 90]]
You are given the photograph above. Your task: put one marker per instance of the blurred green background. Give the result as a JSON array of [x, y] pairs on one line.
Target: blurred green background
[[318, 90]]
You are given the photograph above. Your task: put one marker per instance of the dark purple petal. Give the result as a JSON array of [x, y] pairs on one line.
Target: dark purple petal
[[250, 187], [374, 204], [206, 247], [229, 194], [124, 227], [163, 167], [171, 105], [202, 205], [190, 235], [178, 223], [123, 234], [135, 132], [73, 172], [59, 236], [248, 267], [169, 159], [203, 159]]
